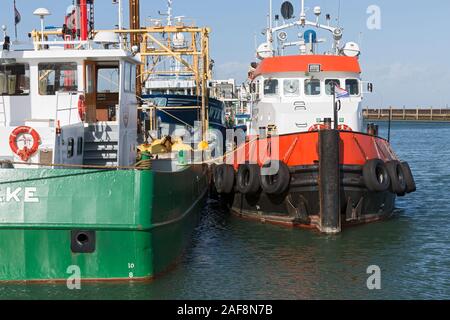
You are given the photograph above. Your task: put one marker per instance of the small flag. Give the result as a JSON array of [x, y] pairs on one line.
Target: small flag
[[341, 93], [18, 17]]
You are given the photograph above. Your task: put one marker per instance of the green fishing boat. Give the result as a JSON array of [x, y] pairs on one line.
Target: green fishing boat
[[75, 195]]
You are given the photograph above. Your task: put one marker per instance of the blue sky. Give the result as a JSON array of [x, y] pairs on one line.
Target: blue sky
[[407, 60]]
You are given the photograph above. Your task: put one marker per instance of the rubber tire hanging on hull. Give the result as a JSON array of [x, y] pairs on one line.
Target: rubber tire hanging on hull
[[275, 183], [376, 176], [409, 178], [224, 178], [395, 170], [248, 179]]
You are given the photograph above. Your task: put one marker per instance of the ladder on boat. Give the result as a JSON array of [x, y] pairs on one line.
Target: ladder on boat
[[101, 144], [3, 110]]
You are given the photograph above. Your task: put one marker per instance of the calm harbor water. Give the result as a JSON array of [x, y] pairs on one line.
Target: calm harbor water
[[235, 259]]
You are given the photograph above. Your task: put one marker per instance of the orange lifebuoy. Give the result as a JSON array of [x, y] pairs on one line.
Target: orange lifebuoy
[[26, 152], [317, 127], [344, 127], [82, 107]]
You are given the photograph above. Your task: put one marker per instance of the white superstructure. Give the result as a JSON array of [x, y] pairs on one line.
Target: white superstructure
[[79, 96]]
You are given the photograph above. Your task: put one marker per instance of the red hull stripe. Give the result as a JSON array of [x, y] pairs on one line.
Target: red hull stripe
[[301, 64]]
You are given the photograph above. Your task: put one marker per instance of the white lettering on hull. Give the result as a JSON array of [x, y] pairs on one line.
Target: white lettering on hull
[[26, 195]]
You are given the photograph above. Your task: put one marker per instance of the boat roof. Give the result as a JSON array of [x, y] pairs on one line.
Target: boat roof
[[61, 54], [301, 63]]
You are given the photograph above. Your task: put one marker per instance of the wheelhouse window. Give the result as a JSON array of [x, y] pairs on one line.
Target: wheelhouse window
[[352, 86], [130, 77], [57, 77], [14, 79], [312, 87], [329, 83], [291, 87], [108, 79], [270, 87], [133, 78]]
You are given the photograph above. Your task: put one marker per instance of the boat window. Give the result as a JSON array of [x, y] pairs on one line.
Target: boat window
[[312, 87], [329, 83], [352, 86], [291, 87], [108, 80], [57, 77], [159, 101], [14, 79], [270, 87], [130, 77], [133, 78]]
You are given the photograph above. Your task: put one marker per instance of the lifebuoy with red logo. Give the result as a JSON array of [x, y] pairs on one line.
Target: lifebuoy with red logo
[[82, 107], [317, 127], [344, 127], [26, 152]]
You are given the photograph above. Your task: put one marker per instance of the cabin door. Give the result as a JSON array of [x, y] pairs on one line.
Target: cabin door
[[90, 87]]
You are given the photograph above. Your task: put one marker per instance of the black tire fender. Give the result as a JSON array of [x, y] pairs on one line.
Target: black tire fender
[[248, 179], [275, 182], [375, 176], [224, 178], [397, 175], [409, 178]]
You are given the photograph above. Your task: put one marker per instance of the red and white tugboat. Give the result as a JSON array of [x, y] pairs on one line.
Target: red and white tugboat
[[308, 161]]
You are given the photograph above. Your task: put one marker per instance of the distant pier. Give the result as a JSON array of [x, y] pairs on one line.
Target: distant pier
[[407, 114]]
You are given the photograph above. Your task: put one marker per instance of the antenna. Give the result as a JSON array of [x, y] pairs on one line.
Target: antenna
[[120, 14], [339, 13], [41, 13], [169, 12], [270, 14], [302, 13]]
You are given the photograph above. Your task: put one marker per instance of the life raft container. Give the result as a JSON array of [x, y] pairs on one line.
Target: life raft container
[[248, 178], [275, 177], [344, 127], [317, 127], [376, 176], [320, 127], [224, 178], [26, 152]]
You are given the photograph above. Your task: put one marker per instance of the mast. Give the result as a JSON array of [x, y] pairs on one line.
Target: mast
[[169, 12], [135, 24], [84, 20], [302, 13], [270, 14]]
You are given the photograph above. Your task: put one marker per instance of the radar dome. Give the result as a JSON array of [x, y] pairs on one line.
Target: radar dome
[[351, 49]]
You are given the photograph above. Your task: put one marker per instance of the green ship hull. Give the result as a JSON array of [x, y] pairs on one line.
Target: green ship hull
[[109, 225]]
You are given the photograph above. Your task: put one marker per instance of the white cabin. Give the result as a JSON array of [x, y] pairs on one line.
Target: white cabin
[[43, 89], [290, 98]]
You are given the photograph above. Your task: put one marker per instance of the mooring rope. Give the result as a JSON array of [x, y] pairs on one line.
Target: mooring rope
[[140, 165]]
